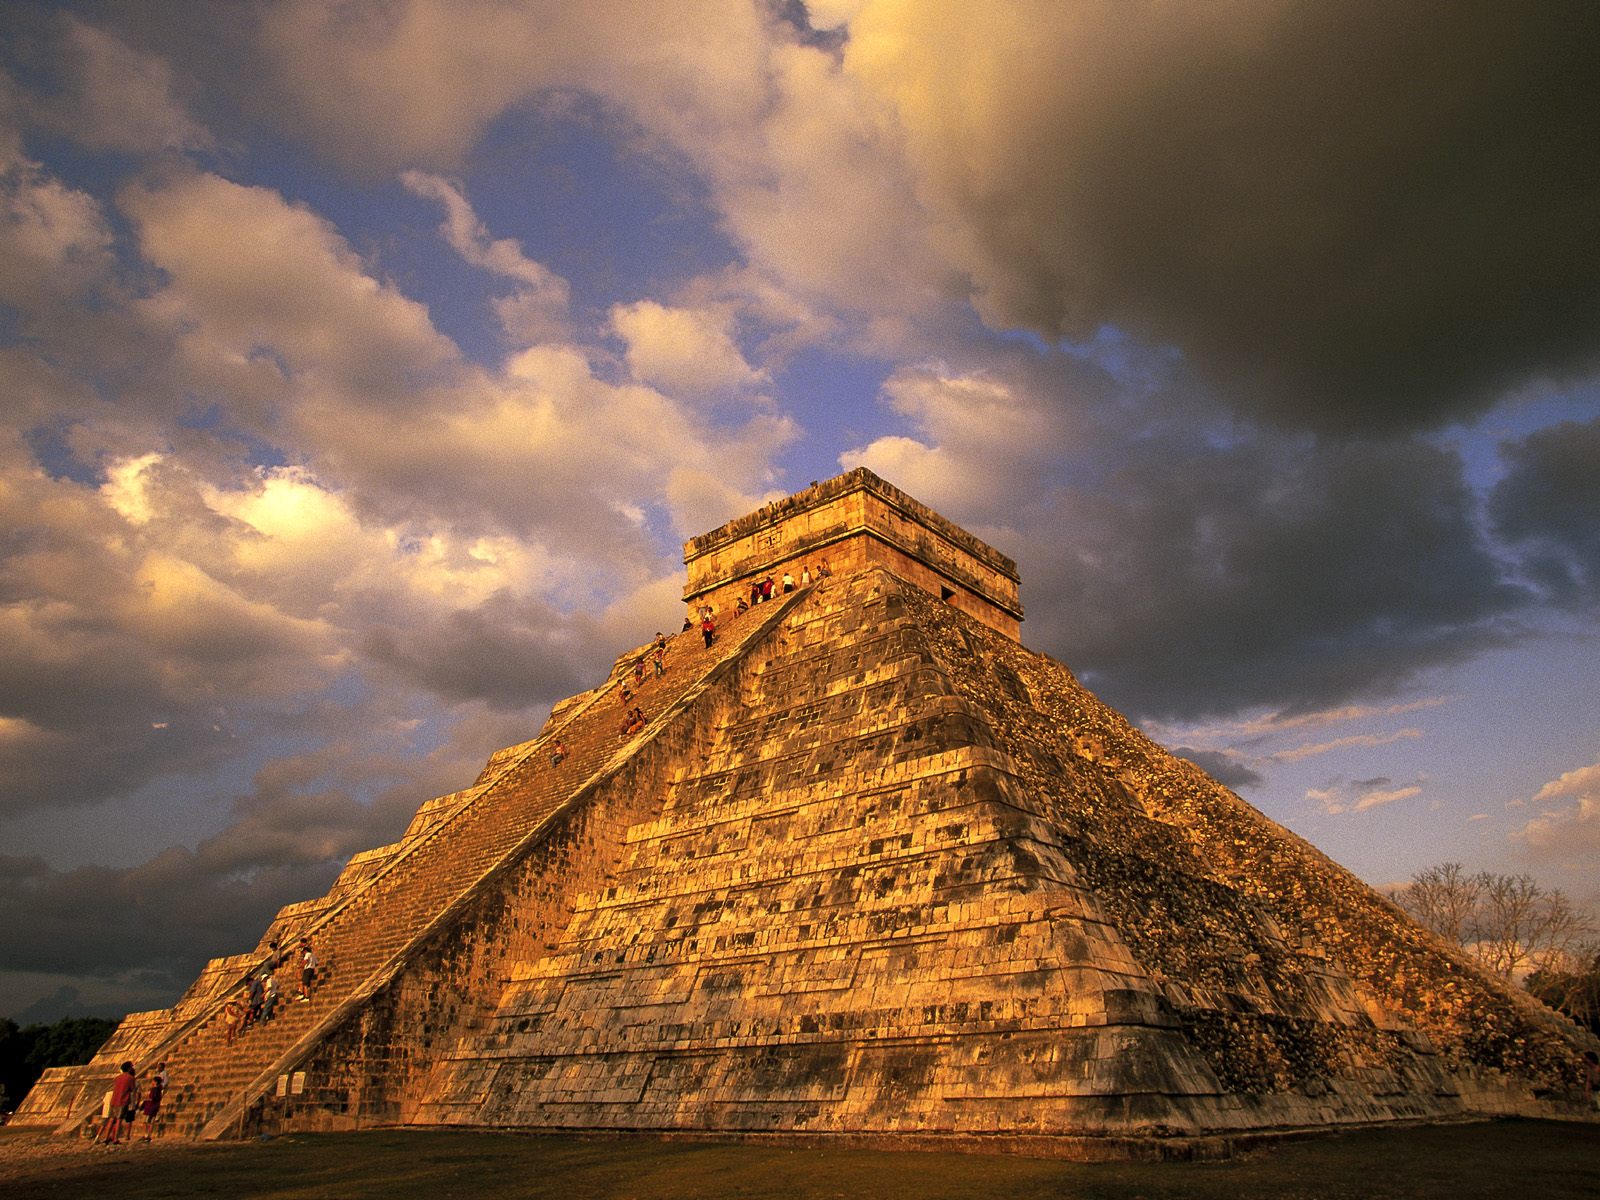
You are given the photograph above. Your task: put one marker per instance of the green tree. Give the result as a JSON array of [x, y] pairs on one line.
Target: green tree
[[25, 1052]]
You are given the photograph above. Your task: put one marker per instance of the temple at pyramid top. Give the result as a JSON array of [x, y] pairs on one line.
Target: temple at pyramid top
[[852, 521]]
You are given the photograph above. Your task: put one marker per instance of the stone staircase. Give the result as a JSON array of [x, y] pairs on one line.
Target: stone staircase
[[363, 941]]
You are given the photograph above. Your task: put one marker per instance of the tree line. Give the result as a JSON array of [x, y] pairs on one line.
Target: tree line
[[1519, 930], [25, 1051]]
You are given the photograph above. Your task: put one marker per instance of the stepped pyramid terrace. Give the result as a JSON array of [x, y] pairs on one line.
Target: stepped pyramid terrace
[[872, 871]]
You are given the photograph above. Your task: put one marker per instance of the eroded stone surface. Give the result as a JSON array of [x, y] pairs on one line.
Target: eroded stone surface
[[874, 870]]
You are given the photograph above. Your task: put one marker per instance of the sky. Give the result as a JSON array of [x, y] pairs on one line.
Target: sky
[[364, 366]]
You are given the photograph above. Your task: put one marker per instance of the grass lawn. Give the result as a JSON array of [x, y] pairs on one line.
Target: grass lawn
[[1544, 1159]]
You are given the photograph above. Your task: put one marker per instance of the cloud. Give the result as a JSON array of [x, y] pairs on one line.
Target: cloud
[[118, 98], [251, 277], [1203, 578], [1353, 217], [265, 302], [1255, 728], [114, 629], [144, 930], [1328, 799], [181, 606], [1190, 566], [681, 350], [1226, 767], [1360, 795], [1376, 797], [1313, 750], [1570, 829], [971, 421], [537, 310], [55, 242], [800, 164], [1548, 505]]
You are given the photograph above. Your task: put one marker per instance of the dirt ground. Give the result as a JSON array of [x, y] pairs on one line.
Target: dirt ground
[[1550, 1160]]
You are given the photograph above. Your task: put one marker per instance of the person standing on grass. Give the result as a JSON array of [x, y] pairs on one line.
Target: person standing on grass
[[122, 1101]]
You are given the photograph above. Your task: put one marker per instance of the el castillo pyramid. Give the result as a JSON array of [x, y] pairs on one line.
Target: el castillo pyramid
[[872, 871]]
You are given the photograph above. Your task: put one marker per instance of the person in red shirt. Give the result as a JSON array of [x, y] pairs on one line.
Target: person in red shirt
[[122, 1097]]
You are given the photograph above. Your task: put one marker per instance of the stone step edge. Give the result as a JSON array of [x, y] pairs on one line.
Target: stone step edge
[[85, 1107], [231, 1112]]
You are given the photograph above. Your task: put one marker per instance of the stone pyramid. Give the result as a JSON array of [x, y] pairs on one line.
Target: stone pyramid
[[873, 871]]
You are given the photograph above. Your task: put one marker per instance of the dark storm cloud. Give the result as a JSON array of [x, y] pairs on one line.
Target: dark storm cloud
[[511, 654], [164, 915], [1224, 768], [1548, 506], [1355, 216], [153, 925], [1196, 579]]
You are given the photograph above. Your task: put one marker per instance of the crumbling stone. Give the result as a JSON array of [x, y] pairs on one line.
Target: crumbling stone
[[872, 870]]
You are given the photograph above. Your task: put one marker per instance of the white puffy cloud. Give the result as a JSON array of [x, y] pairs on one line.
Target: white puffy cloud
[[266, 302], [477, 534], [802, 162], [253, 279], [1566, 829], [55, 242], [683, 351], [977, 427]]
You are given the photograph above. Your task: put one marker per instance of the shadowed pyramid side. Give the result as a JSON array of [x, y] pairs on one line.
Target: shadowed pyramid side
[[913, 881]]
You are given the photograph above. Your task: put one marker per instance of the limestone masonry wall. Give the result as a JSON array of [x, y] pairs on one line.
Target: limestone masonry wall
[[854, 521], [872, 870]]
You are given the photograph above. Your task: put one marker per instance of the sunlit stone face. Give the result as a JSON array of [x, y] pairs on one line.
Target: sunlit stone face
[[845, 524]]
